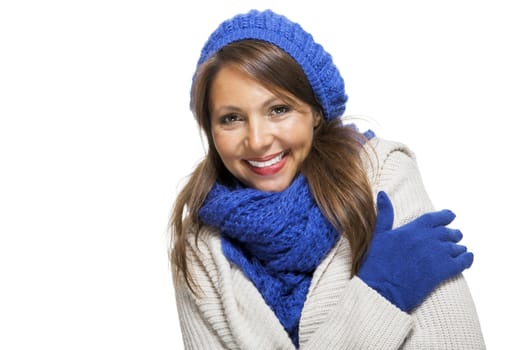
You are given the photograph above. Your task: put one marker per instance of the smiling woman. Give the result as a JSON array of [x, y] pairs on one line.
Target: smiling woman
[[276, 240], [261, 139]]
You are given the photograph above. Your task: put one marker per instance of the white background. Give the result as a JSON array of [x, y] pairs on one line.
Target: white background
[[96, 137]]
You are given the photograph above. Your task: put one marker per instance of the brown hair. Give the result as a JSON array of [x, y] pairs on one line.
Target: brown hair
[[333, 168]]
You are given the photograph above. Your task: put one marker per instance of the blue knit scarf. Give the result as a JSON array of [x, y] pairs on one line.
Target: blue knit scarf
[[277, 238]]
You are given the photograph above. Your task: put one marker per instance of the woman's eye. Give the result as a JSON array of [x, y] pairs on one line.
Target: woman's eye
[[230, 119], [278, 110]]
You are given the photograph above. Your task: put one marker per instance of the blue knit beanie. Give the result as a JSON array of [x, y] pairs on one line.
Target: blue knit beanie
[[317, 64]]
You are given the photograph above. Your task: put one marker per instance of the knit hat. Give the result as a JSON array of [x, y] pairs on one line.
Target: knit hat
[[317, 64]]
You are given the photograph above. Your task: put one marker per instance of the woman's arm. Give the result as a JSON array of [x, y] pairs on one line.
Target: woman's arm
[[361, 318], [447, 319], [197, 333], [227, 311], [195, 310]]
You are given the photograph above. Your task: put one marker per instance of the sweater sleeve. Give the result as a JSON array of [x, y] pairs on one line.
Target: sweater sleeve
[[197, 333], [201, 317], [226, 311], [358, 317], [447, 319]]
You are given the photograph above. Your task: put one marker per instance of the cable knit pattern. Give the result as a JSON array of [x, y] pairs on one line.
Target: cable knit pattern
[[317, 64], [339, 312], [277, 238]]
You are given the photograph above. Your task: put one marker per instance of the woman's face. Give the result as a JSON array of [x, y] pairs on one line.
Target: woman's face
[[261, 139]]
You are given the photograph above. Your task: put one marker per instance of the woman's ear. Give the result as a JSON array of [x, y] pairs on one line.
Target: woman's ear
[[317, 120]]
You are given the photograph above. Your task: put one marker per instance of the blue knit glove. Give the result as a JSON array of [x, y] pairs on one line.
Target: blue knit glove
[[405, 264]]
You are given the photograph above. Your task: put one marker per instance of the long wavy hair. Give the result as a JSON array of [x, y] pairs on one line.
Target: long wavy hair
[[334, 169]]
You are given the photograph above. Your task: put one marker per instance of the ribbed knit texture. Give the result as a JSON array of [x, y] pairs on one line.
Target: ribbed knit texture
[[277, 238], [324, 77], [340, 312]]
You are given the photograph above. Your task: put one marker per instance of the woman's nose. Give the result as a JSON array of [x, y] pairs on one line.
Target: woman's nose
[[259, 134]]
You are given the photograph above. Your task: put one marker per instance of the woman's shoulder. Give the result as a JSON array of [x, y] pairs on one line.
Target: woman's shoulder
[[390, 164], [377, 145], [204, 255], [383, 147], [200, 237]]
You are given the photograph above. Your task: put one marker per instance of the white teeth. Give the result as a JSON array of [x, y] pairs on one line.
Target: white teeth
[[268, 162]]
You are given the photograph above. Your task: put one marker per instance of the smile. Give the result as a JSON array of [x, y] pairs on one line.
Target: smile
[[267, 163], [267, 167]]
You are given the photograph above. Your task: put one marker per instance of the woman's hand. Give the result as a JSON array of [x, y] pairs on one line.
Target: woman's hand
[[405, 264]]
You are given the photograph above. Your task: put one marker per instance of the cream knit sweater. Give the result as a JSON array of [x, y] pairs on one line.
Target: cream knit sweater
[[340, 312]]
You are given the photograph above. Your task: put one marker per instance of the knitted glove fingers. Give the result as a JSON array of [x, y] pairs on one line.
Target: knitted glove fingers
[[456, 249], [436, 218], [464, 260], [459, 260], [385, 213], [451, 235], [444, 234], [407, 263], [444, 261]]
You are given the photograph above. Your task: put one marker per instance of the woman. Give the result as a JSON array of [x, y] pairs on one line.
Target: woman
[[276, 239]]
